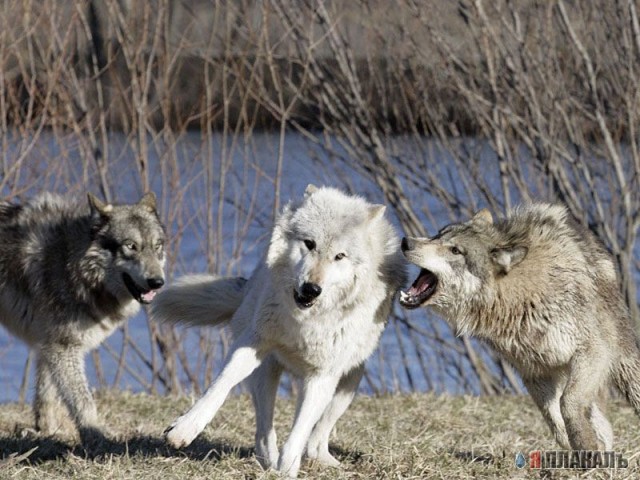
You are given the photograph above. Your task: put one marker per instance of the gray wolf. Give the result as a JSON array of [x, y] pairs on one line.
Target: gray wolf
[[70, 273], [544, 292], [315, 306]]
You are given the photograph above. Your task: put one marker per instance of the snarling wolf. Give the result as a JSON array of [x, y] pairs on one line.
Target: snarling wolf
[[70, 274], [315, 306], [544, 292]]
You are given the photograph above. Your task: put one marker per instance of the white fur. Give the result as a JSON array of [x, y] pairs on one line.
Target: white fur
[[438, 265], [470, 283], [325, 345], [602, 427]]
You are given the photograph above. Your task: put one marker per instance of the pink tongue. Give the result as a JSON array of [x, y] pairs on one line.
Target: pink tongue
[[147, 297], [420, 285]]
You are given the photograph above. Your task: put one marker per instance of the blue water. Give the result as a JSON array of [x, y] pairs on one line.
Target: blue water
[[181, 175]]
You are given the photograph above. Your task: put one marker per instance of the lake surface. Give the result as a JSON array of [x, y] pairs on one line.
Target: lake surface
[[217, 197]]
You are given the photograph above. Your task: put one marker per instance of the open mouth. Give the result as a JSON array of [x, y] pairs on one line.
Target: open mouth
[[140, 294], [420, 291], [303, 301]]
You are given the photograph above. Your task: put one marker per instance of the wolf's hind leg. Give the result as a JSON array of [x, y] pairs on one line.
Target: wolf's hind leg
[[546, 393], [66, 366], [264, 388], [599, 421], [47, 406], [318, 444], [316, 394], [587, 376]]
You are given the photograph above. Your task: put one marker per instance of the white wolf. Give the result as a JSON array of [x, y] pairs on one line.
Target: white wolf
[[315, 306]]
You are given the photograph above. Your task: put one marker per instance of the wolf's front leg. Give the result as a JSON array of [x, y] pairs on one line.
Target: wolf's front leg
[[316, 394], [241, 361], [65, 365], [318, 445], [46, 406], [546, 393]]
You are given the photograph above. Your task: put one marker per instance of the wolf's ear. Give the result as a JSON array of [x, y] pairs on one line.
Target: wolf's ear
[[98, 207], [376, 211], [507, 258], [482, 216], [148, 200], [278, 243], [277, 246], [311, 189]]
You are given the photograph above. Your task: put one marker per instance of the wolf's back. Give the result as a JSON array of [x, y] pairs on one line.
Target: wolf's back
[[199, 300], [9, 211]]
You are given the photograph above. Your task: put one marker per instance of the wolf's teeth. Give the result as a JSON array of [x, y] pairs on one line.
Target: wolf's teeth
[[403, 295]]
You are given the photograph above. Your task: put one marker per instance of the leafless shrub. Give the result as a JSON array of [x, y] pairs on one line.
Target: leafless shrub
[[550, 97], [441, 107]]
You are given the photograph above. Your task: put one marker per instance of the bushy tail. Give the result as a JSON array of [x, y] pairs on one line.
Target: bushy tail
[[627, 378], [199, 300]]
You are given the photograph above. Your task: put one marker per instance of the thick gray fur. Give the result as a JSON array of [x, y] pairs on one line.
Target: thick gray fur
[[544, 292], [63, 290]]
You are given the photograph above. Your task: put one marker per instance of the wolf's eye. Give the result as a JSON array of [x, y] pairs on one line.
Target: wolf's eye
[[129, 245], [159, 246], [455, 250], [310, 244], [340, 256]]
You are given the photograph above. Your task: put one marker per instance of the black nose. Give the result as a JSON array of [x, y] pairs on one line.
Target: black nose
[[155, 283], [406, 244], [310, 290]]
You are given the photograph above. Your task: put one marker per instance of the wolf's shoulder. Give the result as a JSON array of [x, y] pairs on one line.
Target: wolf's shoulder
[[53, 203], [535, 218]]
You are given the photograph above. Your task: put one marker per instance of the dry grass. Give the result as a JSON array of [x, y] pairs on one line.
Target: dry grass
[[416, 436]]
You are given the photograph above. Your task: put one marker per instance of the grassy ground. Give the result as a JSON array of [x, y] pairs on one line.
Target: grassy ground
[[417, 436]]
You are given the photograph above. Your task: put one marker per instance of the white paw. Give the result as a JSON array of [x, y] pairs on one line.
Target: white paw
[[321, 455], [182, 432], [325, 458], [266, 460], [288, 467]]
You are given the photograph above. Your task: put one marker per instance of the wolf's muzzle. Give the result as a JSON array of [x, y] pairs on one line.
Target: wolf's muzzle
[[141, 294], [307, 294]]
